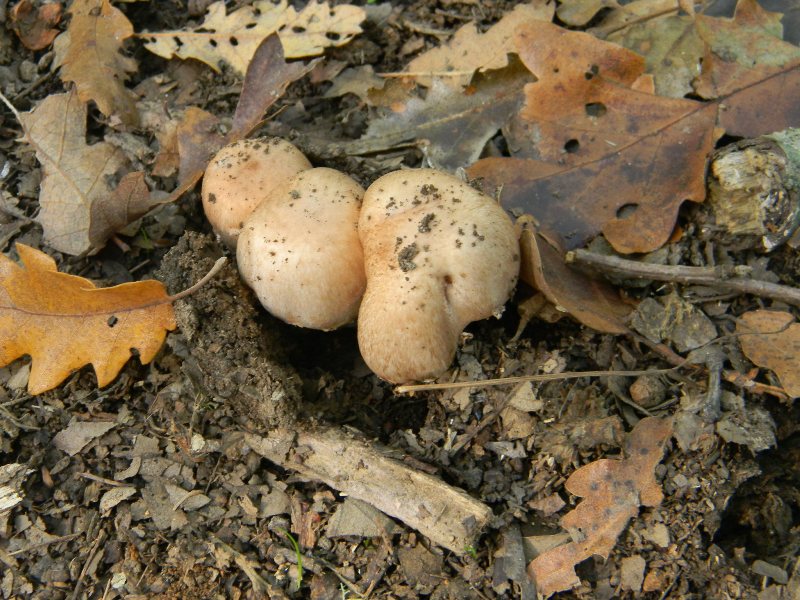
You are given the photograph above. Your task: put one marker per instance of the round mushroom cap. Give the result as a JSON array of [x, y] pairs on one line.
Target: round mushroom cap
[[240, 176], [439, 255], [299, 251]]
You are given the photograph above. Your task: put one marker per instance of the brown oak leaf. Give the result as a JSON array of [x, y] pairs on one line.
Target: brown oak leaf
[[90, 56], [470, 51], [232, 38], [63, 322], [78, 210], [613, 491], [771, 339]]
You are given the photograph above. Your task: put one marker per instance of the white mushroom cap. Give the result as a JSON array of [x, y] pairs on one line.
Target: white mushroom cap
[[439, 255], [241, 175], [300, 251]]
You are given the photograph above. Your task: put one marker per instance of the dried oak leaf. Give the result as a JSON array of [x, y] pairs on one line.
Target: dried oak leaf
[[622, 16], [672, 48], [233, 38], [451, 126], [78, 210], [742, 50], [469, 51], [600, 154], [89, 54], [35, 27], [755, 74], [197, 136], [593, 302], [613, 491], [771, 339], [63, 322]]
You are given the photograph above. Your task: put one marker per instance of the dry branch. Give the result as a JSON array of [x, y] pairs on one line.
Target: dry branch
[[446, 515]]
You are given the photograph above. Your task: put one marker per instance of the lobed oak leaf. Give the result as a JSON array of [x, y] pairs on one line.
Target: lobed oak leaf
[[601, 153], [63, 322], [233, 38], [79, 211], [613, 491], [672, 48], [742, 50], [469, 52], [89, 54]]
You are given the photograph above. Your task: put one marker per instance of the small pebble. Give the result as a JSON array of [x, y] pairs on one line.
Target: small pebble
[[27, 70], [766, 569]]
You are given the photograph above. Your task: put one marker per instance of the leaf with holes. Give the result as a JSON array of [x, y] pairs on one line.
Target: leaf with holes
[[63, 322], [232, 38], [592, 142]]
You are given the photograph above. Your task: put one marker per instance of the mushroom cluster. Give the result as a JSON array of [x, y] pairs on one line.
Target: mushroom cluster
[[414, 259]]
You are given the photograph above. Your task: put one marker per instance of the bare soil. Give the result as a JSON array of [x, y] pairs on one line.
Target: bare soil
[[171, 502]]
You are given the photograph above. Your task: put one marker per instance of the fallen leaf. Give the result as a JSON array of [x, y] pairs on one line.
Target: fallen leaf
[[592, 302], [233, 38], [90, 56], [79, 433], [604, 155], [35, 27], [613, 491], [197, 135], [114, 496], [468, 51], [579, 12], [63, 322], [130, 200], [76, 191], [199, 138], [771, 339], [672, 49], [638, 11], [746, 62], [358, 81], [743, 50], [268, 75], [451, 126]]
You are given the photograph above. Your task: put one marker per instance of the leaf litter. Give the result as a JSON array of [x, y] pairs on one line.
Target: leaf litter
[[195, 485]]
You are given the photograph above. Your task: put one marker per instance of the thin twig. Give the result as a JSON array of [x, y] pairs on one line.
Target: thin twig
[[669, 355], [406, 389], [63, 538], [214, 270], [99, 479], [79, 584], [722, 278]]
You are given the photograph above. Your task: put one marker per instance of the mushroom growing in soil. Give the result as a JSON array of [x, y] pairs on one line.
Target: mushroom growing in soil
[[299, 251], [439, 255], [241, 175]]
